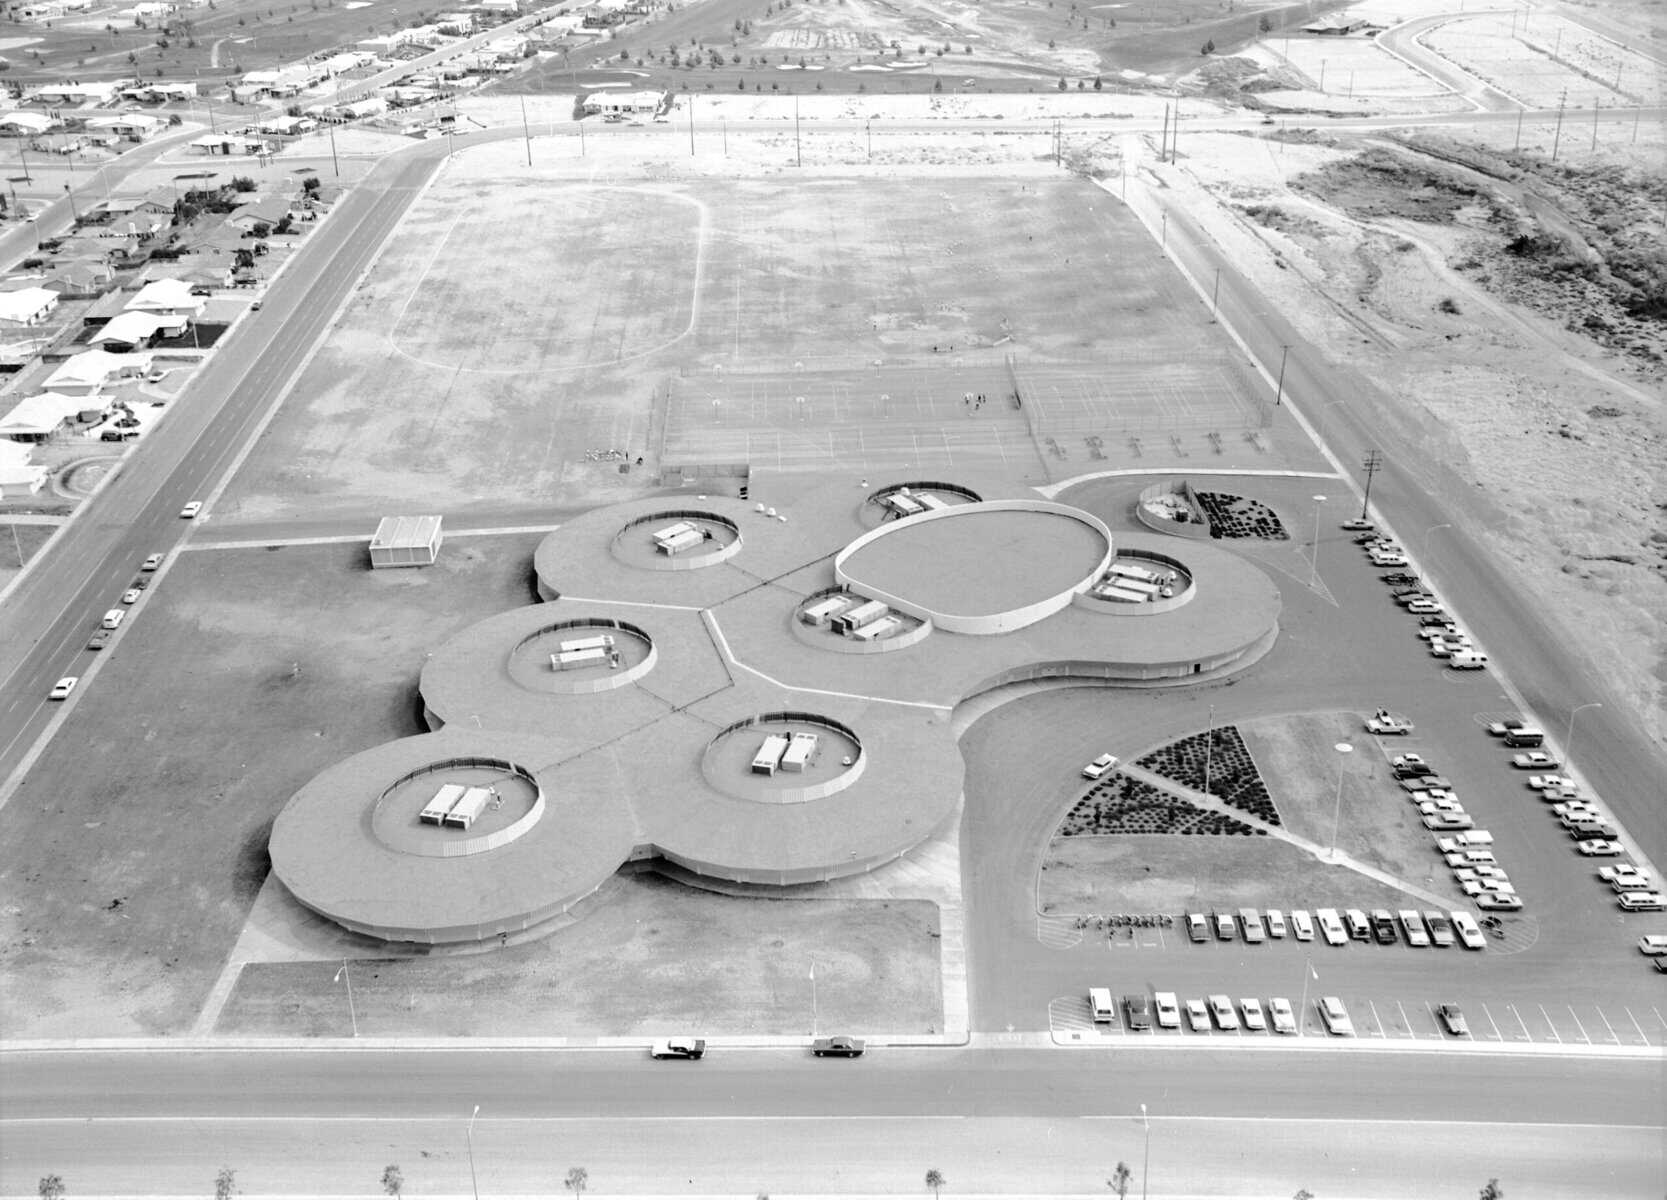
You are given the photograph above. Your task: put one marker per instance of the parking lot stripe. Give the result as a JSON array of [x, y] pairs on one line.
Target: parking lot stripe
[[1612, 1034], [1491, 1021], [1578, 1025], [1641, 1037], [1376, 1018], [1549, 1025], [1526, 1036], [1662, 1021], [1405, 1020]]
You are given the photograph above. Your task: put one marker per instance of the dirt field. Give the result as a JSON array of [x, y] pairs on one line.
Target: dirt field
[[835, 322], [18, 544], [1542, 59], [650, 957], [240, 675]]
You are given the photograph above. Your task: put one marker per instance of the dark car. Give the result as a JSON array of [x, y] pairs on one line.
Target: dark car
[[1383, 927], [1400, 577], [141, 583], [1137, 1011], [1453, 1020], [99, 640], [678, 1047], [837, 1047]]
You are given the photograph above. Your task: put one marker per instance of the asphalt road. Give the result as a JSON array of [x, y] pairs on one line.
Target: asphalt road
[[992, 1119]]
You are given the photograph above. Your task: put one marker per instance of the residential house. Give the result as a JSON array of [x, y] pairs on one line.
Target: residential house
[[229, 144], [81, 279], [26, 124], [626, 103], [37, 418], [268, 211], [137, 126], [18, 476], [159, 90], [168, 296], [201, 271], [105, 308], [95, 94], [137, 330], [86, 373], [28, 306]]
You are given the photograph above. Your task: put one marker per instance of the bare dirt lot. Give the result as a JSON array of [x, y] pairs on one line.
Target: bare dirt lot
[[648, 957], [837, 321], [238, 676]]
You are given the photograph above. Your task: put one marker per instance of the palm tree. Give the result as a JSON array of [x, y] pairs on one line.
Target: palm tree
[[52, 1187], [1120, 1179], [935, 1181], [578, 1179]]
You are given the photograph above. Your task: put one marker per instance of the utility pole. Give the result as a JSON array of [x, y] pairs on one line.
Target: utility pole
[[1215, 292], [1517, 145], [868, 131], [692, 123], [526, 131], [1558, 137], [1175, 132], [1597, 103], [1373, 464], [1279, 388], [335, 163], [1163, 138], [798, 147]]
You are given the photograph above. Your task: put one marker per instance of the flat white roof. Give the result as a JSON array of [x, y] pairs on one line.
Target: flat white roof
[[405, 532]]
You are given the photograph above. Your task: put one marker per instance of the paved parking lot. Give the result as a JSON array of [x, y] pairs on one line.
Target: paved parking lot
[[1407, 1019]]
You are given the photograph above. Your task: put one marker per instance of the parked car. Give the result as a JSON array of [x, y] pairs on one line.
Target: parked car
[[1302, 925], [1430, 804], [1335, 1016], [1383, 926], [1536, 760], [1168, 1010], [1358, 523], [1625, 877], [1426, 608], [1254, 1018], [1279, 1012], [62, 689], [1452, 1020], [1479, 887], [1413, 925], [1381, 559], [1653, 944], [1501, 728], [1388, 724], [1540, 782], [1406, 766], [191, 510], [1446, 822], [1483, 872], [1474, 857], [1331, 926], [1099, 766], [1441, 928], [839, 1046], [1137, 1011], [1642, 901], [1498, 902], [1470, 933], [1198, 929], [151, 563], [1360, 928], [1221, 1008], [1198, 1017], [1276, 923], [1224, 927], [99, 640], [1394, 578], [678, 1047], [1251, 921]]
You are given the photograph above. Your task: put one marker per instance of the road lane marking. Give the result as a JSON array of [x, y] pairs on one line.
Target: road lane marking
[[447, 1119]]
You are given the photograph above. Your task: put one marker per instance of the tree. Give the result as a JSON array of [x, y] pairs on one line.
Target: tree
[[1492, 1191], [578, 1179], [52, 1187], [1264, 24], [225, 1184], [1303, 1194], [393, 1182], [934, 1180], [1208, 48], [1120, 1179]]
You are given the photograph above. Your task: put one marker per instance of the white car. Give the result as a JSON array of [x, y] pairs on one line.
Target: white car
[[1470, 933], [1198, 1017], [1426, 795], [1099, 766], [1464, 873], [1431, 632], [1423, 607], [1616, 872], [1386, 724], [1536, 760], [1254, 1018], [62, 689], [1358, 524], [678, 1047], [1168, 1010], [1653, 944], [1331, 927], [151, 563], [1302, 925], [1389, 560], [131, 596], [1643, 901], [1498, 901], [1497, 886], [1471, 858], [191, 510], [1448, 822], [1413, 926], [1540, 782], [1335, 1016], [1276, 923], [1279, 1012], [1439, 804], [1600, 848], [1221, 1008]]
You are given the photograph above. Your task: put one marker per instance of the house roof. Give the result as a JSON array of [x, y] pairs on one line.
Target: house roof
[[37, 122], [26, 303], [39, 415], [94, 366], [132, 327], [405, 533], [269, 209], [165, 293]]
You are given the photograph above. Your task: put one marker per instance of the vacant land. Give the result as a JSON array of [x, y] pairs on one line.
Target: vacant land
[[649, 957], [839, 321], [138, 842], [19, 542]]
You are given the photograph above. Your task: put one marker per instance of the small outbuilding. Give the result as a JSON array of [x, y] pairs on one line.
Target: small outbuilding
[[406, 542]]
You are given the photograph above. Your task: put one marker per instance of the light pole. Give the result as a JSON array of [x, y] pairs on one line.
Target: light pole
[[342, 974], [1568, 738], [1215, 293], [469, 1138], [1314, 558], [1343, 751], [1302, 1009], [1279, 388], [1146, 1155]]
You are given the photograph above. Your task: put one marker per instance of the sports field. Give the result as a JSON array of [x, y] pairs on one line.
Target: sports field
[[522, 320]]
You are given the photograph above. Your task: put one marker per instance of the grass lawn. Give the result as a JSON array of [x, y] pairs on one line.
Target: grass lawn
[[649, 956], [18, 544], [138, 843]]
